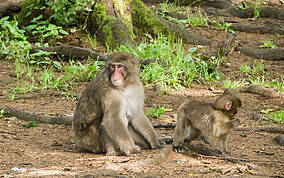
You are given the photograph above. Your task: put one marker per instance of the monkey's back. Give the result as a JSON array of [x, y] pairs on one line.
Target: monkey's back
[[197, 114]]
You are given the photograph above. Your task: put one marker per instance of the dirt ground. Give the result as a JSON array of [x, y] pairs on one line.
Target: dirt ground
[[49, 151]]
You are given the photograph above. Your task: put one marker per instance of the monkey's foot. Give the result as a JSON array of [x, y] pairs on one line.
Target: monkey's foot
[[112, 153], [205, 139], [180, 149]]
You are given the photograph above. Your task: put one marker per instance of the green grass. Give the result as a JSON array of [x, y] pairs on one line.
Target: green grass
[[172, 65], [268, 44], [277, 117], [30, 124], [157, 111], [273, 117], [2, 112]]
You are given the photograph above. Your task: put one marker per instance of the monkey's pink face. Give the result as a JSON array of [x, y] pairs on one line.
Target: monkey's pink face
[[117, 70]]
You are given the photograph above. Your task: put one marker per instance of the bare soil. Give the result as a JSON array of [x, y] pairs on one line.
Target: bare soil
[[49, 151]]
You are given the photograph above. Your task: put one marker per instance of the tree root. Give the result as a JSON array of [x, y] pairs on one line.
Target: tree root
[[263, 129], [164, 125], [187, 36], [257, 29], [235, 11], [72, 51], [41, 94], [225, 47], [62, 120], [267, 54], [9, 7], [256, 89], [57, 120]]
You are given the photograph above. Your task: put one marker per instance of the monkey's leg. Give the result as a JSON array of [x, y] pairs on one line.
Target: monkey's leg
[[223, 144], [115, 128], [142, 125], [138, 138], [88, 140], [181, 132]]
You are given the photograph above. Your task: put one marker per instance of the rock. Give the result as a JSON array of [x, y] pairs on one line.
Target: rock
[[280, 139]]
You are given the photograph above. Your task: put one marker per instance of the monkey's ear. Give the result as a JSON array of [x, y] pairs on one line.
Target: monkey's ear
[[228, 105], [134, 61]]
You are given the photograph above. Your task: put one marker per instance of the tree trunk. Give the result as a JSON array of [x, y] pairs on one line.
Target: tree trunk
[[114, 22]]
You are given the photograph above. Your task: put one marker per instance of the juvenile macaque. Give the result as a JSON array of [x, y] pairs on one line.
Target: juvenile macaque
[[109, 116], [195, 118]]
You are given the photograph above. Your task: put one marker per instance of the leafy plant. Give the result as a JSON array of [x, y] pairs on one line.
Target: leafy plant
[[44, 30], [224, 26], [31, 124], [65, 12], [268, 44], [13, 41], [2, 111], [277, 83], [156, 111], [277, 117], [234, 84], [274, 117], [257, 69]]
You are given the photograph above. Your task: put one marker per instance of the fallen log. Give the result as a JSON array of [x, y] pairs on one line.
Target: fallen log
[[267, 54], [256, 89]]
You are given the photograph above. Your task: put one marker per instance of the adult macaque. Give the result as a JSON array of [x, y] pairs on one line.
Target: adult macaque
[[109, 115], [195, 118]]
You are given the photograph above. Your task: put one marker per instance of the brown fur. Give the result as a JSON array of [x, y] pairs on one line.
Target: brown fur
[[195, 118], [110, 118]]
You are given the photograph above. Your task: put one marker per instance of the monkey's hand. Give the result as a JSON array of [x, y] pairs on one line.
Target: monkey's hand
[[236, 122], [180, 149]]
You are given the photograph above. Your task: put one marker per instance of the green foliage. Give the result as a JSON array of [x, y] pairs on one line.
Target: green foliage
[[31, 9], [2, 112], [60, 12], [234, 84], [268, 44], [30, 124], [156, 111], [65, 12], [44, 31], [12, 39], [255, 5], [198, 20], [273, 117], [195, 20], [173, 66], [225, 26], [277, 117], [277, 83], [257, 69], [255, 75]]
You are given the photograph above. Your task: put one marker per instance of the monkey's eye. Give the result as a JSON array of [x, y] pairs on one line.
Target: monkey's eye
[[112, 66], [236, 112], [120, 66]]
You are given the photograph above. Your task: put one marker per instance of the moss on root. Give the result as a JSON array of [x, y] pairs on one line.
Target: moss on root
[[110, 30], [145, 20]]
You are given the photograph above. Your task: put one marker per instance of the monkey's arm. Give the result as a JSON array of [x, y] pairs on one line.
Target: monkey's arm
[[233, 123], [142, 124], [181, 130]]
